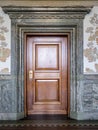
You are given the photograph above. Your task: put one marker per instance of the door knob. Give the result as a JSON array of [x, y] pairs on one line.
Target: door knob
[[30, 74]]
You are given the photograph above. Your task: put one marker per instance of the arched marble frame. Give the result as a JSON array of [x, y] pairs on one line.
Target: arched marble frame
[[50, 20]]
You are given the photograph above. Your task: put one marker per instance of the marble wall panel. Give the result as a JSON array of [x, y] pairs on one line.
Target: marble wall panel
[[7, 96], [90, 97]]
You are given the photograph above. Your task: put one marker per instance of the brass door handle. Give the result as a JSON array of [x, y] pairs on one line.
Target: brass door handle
[[30, 74]]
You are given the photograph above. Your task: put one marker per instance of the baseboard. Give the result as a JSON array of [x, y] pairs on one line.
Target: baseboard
[[84, 115], [11, 116]]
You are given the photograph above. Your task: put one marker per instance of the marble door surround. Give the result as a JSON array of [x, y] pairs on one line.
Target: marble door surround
[[35, 20]]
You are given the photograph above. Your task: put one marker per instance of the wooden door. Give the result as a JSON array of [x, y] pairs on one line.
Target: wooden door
[[46, 75]]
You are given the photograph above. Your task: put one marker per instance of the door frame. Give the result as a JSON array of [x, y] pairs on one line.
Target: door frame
[[51, 20], [68, 66]]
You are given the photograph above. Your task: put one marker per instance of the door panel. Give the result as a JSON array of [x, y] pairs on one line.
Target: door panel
[[46, 57], [46, 91], [46, 75]]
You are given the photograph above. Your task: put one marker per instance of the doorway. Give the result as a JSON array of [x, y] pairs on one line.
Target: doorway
[[47, 75], [54, 20]]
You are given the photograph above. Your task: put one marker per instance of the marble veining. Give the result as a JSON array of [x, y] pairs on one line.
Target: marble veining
[[90, 97]]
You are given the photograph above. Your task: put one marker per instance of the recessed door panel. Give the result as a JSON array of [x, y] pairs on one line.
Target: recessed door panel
[[47, 84], [47, 57], [46, 91]]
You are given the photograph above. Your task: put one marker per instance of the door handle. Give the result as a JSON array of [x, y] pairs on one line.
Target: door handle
[[30, 74]]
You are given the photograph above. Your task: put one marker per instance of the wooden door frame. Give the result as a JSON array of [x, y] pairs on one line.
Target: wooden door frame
[[68, 66]]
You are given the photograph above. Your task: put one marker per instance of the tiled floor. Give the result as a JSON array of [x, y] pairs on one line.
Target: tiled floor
[[48, 128], [48, 124]]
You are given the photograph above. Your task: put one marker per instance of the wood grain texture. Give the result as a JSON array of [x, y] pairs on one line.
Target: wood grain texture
[[47, 90], [46, 57]]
